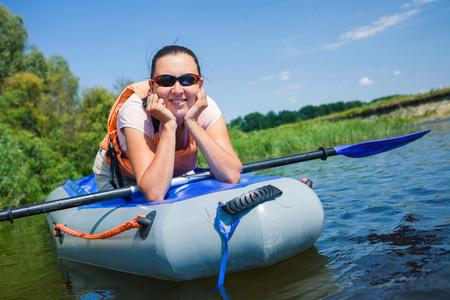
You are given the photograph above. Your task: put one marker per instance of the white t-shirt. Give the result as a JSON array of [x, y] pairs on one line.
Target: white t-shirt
[[132, 114]]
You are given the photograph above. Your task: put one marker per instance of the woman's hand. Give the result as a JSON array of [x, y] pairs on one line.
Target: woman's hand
[[156, 107], [198, 107]]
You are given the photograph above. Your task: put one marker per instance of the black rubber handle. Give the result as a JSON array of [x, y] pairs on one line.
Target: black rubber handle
[[251, 199]]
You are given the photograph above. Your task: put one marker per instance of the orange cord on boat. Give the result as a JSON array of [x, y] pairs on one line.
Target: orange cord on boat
[[107, 234]]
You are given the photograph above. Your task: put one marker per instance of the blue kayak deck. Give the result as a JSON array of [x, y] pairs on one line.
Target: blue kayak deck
[[86, 185]]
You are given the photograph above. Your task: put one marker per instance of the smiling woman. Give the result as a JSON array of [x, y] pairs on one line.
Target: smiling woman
[[155, 127]]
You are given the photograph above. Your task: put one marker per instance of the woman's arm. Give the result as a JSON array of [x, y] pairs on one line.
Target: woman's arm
[[153, 168], [217, 149]]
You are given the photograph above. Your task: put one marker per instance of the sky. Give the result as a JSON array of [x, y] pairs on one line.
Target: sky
[[255, 56]]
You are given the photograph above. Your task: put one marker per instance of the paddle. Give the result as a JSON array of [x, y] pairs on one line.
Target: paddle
[[353, 151]]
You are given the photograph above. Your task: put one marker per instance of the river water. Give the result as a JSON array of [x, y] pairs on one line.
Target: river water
[[386, 236]]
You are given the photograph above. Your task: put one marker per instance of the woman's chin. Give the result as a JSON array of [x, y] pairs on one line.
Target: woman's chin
[[179, 112]]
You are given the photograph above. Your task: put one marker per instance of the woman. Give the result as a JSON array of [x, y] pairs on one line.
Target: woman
[[187, 118]]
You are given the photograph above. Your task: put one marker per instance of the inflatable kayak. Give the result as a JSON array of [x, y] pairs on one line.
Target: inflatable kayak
[[257, 223]]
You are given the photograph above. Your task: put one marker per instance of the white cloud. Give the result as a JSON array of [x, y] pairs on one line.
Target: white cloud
[[334, 46], [284, 75], [269, 77], [288, 52], [249, 84], [423, 1], [292, 99], [366, 81], [417, 3], [378, 26], [397, 72]]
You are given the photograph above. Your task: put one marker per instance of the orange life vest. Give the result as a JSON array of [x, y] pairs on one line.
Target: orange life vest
[[185, 159]]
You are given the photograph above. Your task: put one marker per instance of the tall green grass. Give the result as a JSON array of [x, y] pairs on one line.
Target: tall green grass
[[308, 136]]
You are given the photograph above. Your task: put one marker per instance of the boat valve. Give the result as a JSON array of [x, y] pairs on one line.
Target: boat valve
[[146, 223]]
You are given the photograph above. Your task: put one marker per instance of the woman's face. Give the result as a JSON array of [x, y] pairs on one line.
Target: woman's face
[[178, 98]]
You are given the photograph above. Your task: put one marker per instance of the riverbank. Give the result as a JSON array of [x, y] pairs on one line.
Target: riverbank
[[387, 105], [331, 131], [423, 113]]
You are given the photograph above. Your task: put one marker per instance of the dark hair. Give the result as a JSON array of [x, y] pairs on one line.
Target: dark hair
[[172, 50]]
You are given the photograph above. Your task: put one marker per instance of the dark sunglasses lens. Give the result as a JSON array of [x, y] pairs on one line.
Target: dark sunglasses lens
[[188, 79], [166, 80], [169, 80]]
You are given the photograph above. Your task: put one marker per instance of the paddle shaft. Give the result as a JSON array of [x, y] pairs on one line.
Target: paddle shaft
[[322, 153], [34, 209]]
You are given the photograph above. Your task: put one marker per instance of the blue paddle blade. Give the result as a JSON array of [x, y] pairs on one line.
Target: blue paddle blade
[[375, 147]]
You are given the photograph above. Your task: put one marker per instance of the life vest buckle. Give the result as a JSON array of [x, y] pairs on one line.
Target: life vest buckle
[[110, 152]]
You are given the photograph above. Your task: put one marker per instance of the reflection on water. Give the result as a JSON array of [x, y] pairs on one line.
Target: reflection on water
[[27, 264], [303, 275], [386, 235]]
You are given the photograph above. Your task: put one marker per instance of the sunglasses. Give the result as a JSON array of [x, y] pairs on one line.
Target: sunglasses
[[169, 80]]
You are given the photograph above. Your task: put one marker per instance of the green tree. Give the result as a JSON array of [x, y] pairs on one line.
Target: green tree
[[352, 104], [336, 107], [287, 116], [254, 121], [62, 86], [21, 103], [79, 143], [19, 182], [272, 119], [307, 112], [36, 63], [120, 84], [13, 38], [238, 122]]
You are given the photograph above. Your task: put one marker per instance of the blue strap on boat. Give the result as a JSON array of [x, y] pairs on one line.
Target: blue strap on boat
[[226, 235], [73, 189]]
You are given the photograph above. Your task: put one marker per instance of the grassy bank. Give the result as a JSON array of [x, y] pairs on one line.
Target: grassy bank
[[332, 131], [387, 105]]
